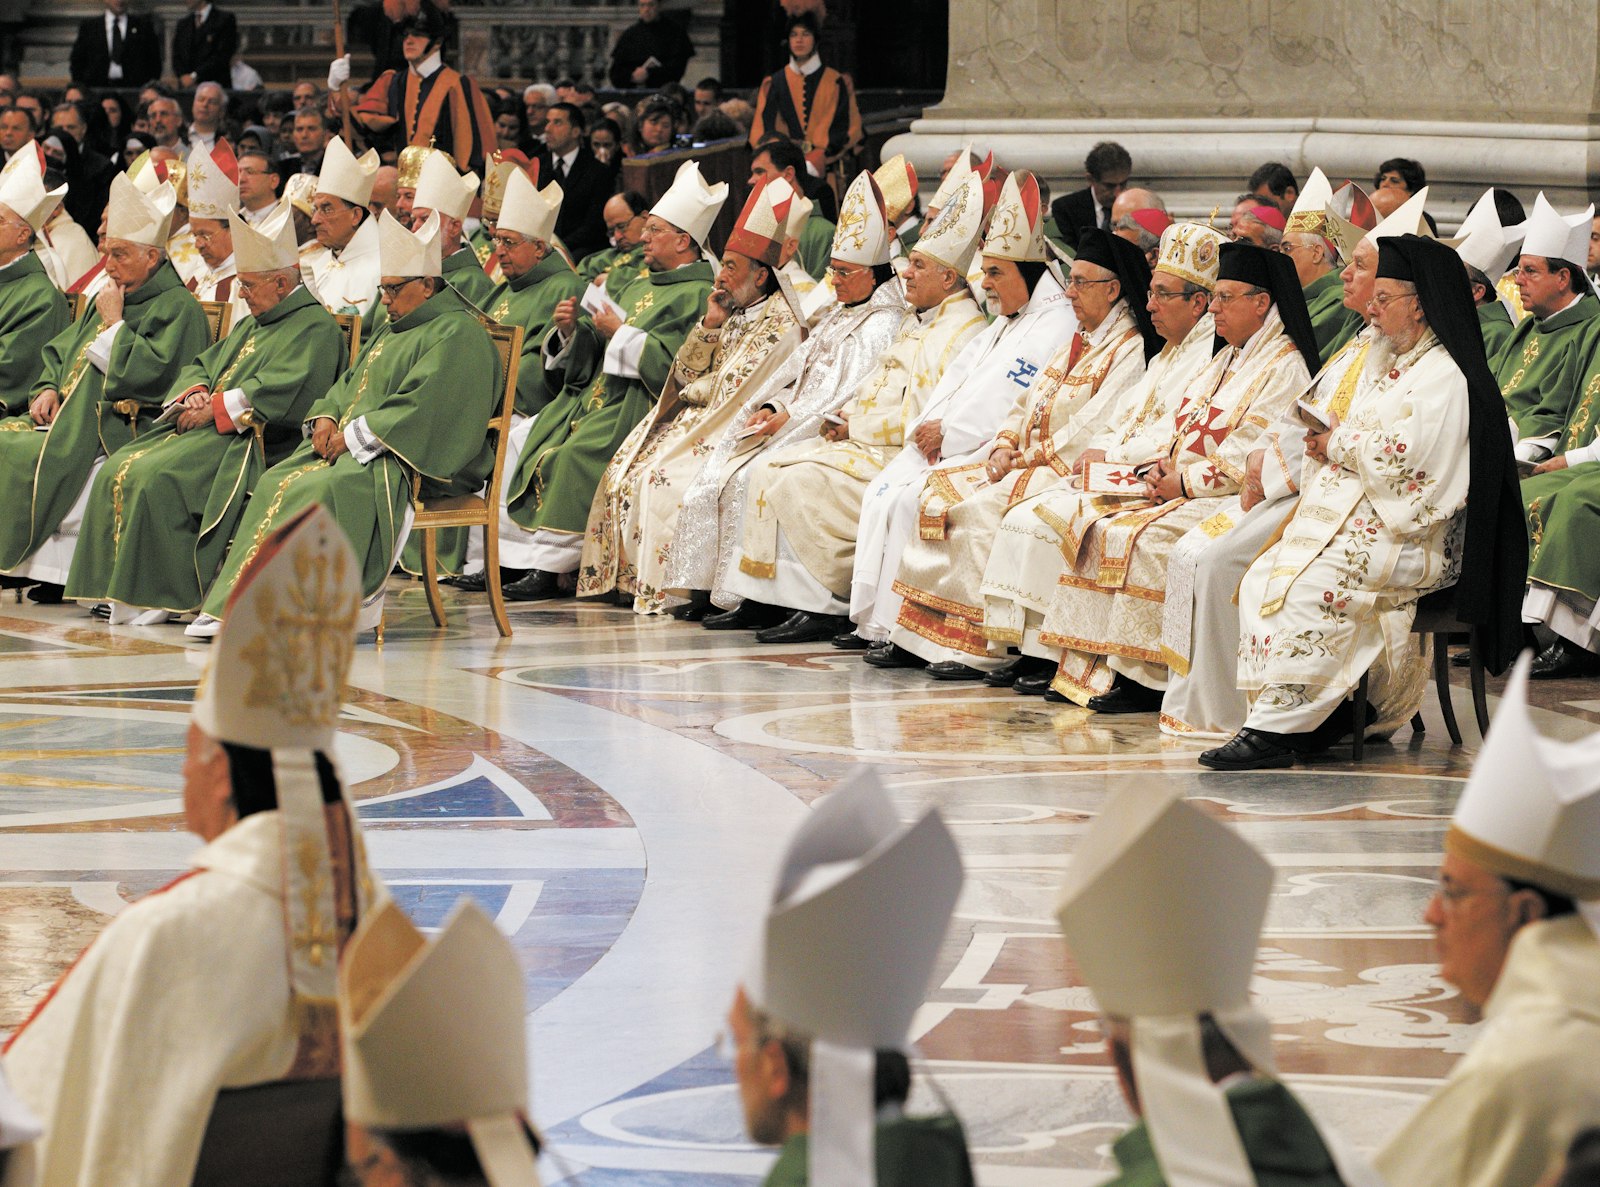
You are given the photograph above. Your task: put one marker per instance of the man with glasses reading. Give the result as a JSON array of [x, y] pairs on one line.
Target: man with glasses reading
[[1108, 167], [619, 264], [614, 363]]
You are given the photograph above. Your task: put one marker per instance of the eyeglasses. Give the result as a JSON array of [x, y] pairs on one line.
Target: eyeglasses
[[1230, 298], [1382, 301], [1162, 294], [1452, 896], [1523, 271], [394, 290], [507, 242], [207, 236], [846, 274], [1074, 283]]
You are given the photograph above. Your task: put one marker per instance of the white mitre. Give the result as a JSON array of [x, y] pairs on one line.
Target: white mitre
[[1483, 243], [863, 235], [1557, 236], [528, 210], [22, 189], [139, 217], [441, 188], [1016, 228], [345, 175], [435, 1035], [690, 204], [409, 253], [266, 246]]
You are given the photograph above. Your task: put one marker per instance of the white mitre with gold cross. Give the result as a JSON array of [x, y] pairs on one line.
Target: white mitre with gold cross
[[863, 234], [276, 684]]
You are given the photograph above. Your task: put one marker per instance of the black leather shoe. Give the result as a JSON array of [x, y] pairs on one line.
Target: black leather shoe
[[471, 582], [1018, 669], [1126, 696], [46, 593], [1034, 684], [1052, 697], [746, 616], [534, 586], [850, 641], [1556, 662], [892, 655], [695, 609], [803, 627], [949, 669], [1249, 750]]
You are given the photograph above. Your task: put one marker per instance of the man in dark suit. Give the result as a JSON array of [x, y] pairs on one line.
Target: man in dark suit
[[585, 182], [651, 52], [116, 48], [1108, 167], [203, 45]]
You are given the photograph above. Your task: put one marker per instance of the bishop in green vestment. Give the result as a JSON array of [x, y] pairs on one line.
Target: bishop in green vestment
[[417, 401], [164, 507], [32, 311], [612, 371], [1280, 1140], [103, 381], [538, 278], [1494, 320], [624, 221], [1332, 321], [1530, 363]]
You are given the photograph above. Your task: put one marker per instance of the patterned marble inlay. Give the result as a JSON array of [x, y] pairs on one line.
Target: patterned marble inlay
[[613, 790]]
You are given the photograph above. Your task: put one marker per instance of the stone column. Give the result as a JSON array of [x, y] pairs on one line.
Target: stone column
[[1200, 92]]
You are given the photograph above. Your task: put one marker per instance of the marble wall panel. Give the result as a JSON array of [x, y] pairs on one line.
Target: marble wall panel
[[1533, 62]]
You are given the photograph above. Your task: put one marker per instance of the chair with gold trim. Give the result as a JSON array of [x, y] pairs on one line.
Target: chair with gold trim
[[218, 315], [219, 319], [481, 510], [350, 323]]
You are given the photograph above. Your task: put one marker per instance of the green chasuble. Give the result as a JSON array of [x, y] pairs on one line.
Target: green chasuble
[[621, 268], [424, 387], [909, 1152], [164, 507], [528, 301], [1281, 1141], [32, 311], [816, 245], [1530, 363], [465, 274], [1494, 319], [1563, 506], [1331, 322], [162, 331], [575, 436]]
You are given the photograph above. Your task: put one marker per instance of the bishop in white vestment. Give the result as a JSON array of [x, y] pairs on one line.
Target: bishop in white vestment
[[225, 977], [941, 572], [1380, 522], [1106, 611]]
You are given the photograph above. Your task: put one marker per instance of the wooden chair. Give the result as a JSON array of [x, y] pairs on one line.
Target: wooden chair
[[350, 323], [219, 319], [481, 510], [286, 1134], [80, 302], [1436, 617]]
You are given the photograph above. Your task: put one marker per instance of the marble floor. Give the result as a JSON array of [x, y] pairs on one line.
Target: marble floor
[[615, 790]]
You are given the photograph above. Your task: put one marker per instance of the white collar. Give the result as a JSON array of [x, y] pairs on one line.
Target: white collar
[[568, 157], [112, 18], [428, 66], [1576, 297], [810, 66], [204, 14]]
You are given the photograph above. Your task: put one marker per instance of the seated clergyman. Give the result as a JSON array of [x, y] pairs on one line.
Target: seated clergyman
[[228, 972], [416, 402], [163, 509], [1400, 497]]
